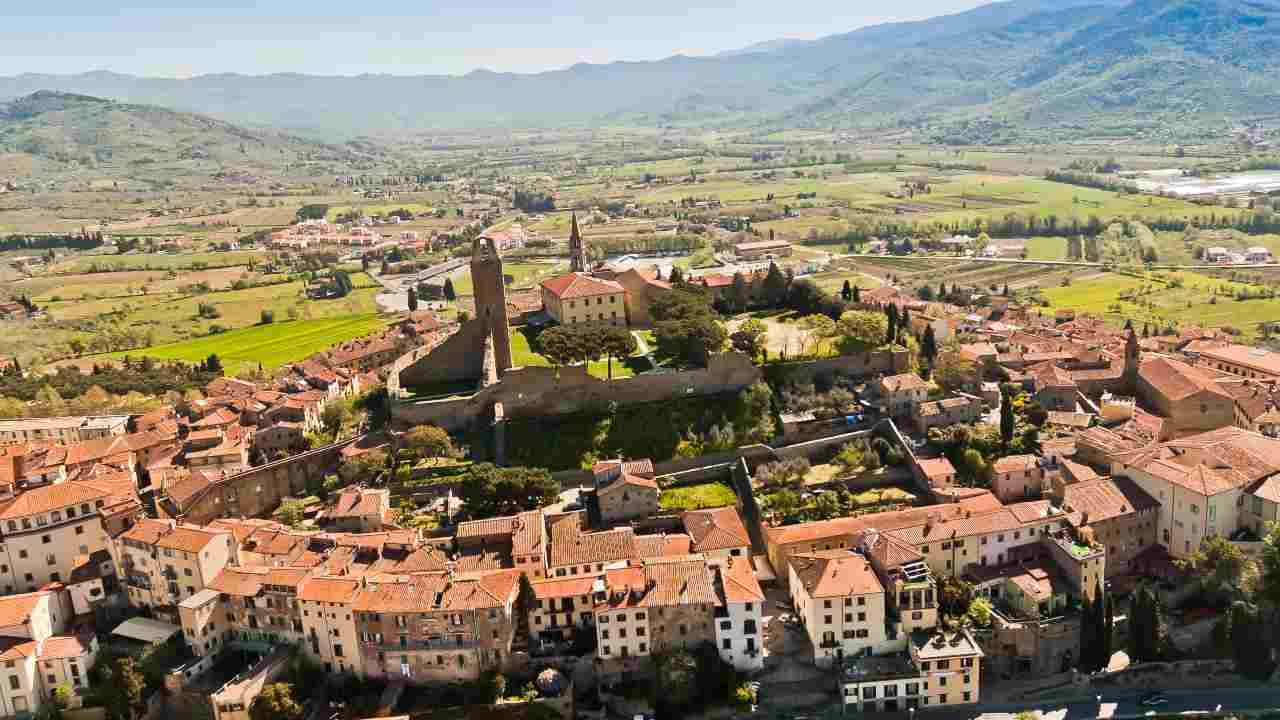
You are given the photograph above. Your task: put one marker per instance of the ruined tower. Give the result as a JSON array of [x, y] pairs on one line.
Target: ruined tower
[[577, 252], [491, 298]]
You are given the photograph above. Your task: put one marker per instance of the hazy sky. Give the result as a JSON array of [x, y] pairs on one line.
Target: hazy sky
[[177, 38]]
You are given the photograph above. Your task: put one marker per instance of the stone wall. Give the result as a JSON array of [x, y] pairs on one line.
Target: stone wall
[[862, 365], [258, 491], [459, 358], [540, 391]]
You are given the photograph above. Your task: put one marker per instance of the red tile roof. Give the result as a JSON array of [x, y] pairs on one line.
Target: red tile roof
[[835, 573], [717, 529], [577, 285]]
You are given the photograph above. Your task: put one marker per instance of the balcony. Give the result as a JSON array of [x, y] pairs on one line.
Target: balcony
[[423, 645]]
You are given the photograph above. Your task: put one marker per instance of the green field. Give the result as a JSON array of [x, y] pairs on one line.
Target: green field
[[697, 497], [271, 345], [524, 274], [156, 261], [1163, 298]]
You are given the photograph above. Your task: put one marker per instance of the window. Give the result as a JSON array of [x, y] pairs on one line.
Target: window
[[826, 605], [639, 632], [862, 601], [14, 683], [944, 664], [45, 539], [728, 644], [79, 529]]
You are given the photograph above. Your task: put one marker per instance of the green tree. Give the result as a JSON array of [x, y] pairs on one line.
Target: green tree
[[491, 491], [929, 346], [333, 417], [1006, 419], [1146, 625], [1249, 632], [363, 467], [689, 342], [740, 293], [775, 286], [1220, 569], [312, 212], [275, 702], [266, 317], [291, 512], [749, 338], [846, 292], [449, 293], [615, 342], [413, 299], [860, 330], [429, 441], [567, 344]]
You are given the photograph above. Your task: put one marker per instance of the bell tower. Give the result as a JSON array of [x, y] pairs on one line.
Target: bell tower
[[577, 252], [491, 298], [1132, 361]]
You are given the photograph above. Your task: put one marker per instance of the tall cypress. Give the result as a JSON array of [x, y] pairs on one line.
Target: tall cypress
[[1109, 630]]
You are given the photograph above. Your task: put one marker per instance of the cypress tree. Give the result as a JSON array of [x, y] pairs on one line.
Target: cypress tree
[[1109, 630]]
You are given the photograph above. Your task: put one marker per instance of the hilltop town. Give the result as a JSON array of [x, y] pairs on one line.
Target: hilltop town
[[963, 497]]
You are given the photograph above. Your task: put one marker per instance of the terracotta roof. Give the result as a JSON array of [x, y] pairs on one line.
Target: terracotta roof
[[738, 581], [847, 526], [717, 529], [15, 649], [146, 531], [66, 646], [1258, 359], [357, 502], [53, 497], [1268, 489], [835, 573], [1177, 380], [905, 381], [666, 582], [1015, 463], [571, 546], [634, 467], [1107, 498], [936, 467], [668, 545], [564, 587], [577, 285], [239, 582], [17, 609], [187, 539]]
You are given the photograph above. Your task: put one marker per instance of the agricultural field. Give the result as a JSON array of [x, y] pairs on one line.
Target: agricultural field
[[271, 345], [156, 261], [525, 274], [1165, 298]]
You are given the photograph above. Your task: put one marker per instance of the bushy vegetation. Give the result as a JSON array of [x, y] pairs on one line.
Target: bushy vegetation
[[686, 427]]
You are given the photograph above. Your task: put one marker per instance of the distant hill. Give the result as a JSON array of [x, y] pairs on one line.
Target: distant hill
[[994, 73], [64, 131]]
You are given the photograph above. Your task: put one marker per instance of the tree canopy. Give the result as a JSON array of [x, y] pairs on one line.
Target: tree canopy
[[491, 491]]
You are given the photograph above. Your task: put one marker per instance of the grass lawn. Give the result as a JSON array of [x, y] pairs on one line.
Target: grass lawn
[[522, 355], [696, 497], [523, 274], [271, 345]]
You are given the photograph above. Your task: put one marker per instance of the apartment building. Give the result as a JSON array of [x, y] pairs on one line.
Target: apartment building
[[739, 616], [562, 608], [36, 657], [63, 430], [841, 604], [574, 551], [652, 605], [950, 665], [962, 409], [1123, 517], [163, 562], [436, 626], [328, 622], [518, 541], [577, 297], [1017, 477], [359, 509], [44, 529], [1201, 482]]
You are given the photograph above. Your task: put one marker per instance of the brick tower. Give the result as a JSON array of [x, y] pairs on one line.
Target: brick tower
[[577, 252], [491, 298]]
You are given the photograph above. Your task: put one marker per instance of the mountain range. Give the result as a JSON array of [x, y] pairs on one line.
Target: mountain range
[[992, 73], [54, 131]]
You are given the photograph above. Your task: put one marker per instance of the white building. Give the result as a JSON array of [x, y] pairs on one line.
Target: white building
[[740, 622], [841, 603]]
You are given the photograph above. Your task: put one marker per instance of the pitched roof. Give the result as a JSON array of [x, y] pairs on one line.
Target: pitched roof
[[661, 582], [905, 381], [328, 590], [716, 529], [1177, 380], [239, 582], [1015, 463], [577, 285], [564, 587], [66, 646], [17, 609], [53, 497], [835, 573], [1106, 498], [738, 581], [936, 467]]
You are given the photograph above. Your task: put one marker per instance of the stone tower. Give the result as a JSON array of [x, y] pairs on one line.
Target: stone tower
[[1132, 361], [491, 298], [577, 252]]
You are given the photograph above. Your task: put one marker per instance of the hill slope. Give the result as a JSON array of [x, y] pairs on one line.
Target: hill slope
[[1037, 63], [74, 132]]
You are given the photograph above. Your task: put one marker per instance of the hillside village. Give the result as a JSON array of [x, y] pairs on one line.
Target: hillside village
[[1054, 471]]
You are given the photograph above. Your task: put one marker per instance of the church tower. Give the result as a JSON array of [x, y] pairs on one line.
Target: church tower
[[491, 298], [1132, 361], [577, 252]]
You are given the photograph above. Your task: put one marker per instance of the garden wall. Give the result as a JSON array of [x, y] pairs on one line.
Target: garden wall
[[881, 362]]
